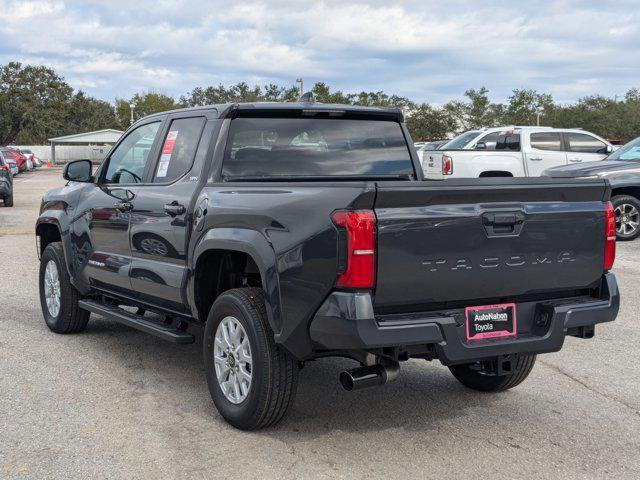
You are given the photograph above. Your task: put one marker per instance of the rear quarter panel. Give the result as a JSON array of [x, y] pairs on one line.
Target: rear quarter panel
[[295, 221]]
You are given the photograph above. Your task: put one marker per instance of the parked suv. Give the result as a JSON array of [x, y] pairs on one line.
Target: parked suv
[[6, 183], [286, 232], [514, 152]]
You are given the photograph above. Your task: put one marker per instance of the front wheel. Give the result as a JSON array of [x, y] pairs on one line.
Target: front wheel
[[627, 210], [470, 375], [252, 380], [8, 200], [58, 298]]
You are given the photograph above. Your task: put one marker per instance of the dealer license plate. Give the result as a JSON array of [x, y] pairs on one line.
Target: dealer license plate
[[491, 321]]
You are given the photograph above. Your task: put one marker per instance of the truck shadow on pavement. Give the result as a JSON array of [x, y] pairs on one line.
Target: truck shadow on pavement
[[424, 397]]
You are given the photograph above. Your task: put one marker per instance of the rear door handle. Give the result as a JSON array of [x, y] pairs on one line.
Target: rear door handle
[[174, 208], [535, 159], [575, 160], [124, 206]]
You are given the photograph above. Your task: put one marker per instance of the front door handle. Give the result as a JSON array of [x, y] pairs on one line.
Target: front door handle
[[124, 206], [575, 160], [174, 208], [535, 159]]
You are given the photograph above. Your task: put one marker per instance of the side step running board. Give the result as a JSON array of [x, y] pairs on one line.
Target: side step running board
[[161, 330]]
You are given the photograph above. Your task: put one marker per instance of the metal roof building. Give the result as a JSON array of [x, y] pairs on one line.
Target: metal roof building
[[107, 136]]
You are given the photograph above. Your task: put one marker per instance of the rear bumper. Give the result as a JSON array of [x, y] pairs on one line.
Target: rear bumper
[[346, 321]]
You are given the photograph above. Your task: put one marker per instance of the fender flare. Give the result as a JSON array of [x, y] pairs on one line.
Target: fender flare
[[254, 244], [53, 218]]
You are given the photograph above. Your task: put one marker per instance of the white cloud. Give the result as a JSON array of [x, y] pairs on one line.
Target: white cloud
[[426, 50]]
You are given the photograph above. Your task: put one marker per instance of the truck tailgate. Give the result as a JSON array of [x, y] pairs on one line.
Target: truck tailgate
[[487, 239]]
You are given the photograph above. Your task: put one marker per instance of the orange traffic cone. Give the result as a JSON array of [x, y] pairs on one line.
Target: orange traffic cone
[[49, 164]]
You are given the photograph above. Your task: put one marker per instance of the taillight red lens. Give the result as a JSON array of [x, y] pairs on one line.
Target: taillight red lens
[[610, 241], [4, 167], [447, 165], [360, 269]]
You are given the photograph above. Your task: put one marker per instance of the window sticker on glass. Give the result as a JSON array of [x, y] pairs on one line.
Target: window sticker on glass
[[167, 151]]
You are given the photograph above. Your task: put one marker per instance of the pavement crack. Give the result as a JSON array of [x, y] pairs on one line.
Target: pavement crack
[[590, 388]]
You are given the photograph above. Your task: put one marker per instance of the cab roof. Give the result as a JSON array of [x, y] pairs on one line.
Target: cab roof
[[227, 110]]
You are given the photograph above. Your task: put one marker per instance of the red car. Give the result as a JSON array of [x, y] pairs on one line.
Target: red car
[[20, 159]]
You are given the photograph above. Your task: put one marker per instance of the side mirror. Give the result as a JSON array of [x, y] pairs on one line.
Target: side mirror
[[481, 146], [609, 149], [78, 171]]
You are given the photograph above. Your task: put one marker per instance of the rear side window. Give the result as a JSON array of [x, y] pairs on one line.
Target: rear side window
[[580, 142], [315, 147], [546, 141], [178, 149]]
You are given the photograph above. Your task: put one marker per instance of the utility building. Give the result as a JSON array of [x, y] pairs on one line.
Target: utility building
[[91, 145]]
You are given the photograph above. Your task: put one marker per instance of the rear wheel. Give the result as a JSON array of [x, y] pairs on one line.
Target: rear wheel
[[8, 200], [627, 210], [58, 298], [251, 379], [470, 376]]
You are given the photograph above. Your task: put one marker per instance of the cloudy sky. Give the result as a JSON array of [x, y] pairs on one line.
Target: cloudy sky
[[426, 50]]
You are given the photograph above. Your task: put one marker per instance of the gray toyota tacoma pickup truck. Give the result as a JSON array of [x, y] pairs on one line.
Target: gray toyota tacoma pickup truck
[[281, 233]]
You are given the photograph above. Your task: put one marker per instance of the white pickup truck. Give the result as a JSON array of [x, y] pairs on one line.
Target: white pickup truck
[[512, 152]]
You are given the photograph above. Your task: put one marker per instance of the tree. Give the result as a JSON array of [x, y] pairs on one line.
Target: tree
[[427, 123], [523, 106], [32, 103], [84, 113], [144, 103], [476, 111]]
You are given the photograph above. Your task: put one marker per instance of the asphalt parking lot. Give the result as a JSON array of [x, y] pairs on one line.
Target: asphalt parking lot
[[116, 403]]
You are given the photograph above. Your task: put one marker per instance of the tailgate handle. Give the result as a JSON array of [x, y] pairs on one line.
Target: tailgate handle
[[503, 223]]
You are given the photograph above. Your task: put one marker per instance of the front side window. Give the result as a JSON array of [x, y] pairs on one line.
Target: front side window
[[178, 149], [315, 147], [546, 141], [498, 141], [128, 160], [580, 142]]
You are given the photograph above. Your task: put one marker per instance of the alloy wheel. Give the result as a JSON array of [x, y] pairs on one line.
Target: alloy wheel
[[232, 356], [627, 219], [52, 288]]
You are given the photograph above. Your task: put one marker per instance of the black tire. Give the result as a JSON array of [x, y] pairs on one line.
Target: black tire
[[619, 201], [492, 383], [274, 371], [70, 318], [8, 200]]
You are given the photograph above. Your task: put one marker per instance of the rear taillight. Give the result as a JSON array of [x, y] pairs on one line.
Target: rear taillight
[[4, 167], [447, 165], [610, 239], [359, 268]]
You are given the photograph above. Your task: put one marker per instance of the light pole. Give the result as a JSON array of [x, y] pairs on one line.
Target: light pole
[[131, 107], [301, 82], [539, 111]]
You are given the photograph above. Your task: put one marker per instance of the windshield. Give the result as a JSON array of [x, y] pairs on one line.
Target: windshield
[[460, 141], [272, 147], [630, 151]]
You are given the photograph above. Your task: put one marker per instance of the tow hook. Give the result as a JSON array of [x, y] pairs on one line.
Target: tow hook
[[369, 376]]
